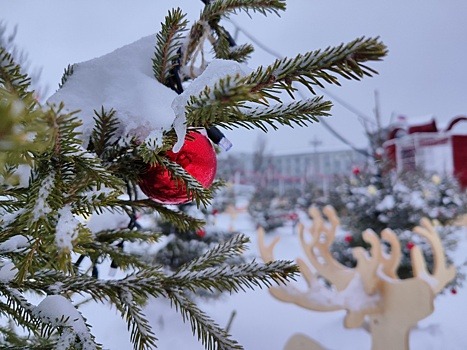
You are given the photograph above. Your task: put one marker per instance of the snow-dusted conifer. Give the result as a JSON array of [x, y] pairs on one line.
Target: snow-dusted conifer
[[60, 167]]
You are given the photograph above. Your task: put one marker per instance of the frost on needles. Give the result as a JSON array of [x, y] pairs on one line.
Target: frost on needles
[[66, 163]]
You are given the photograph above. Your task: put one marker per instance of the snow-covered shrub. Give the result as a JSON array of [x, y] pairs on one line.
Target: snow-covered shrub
[[376, 200]]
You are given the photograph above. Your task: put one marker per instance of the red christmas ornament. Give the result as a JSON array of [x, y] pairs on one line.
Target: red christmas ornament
[[197, 157], [348, 238], [293, 216], [356, 171], [201, 233], [409, 245], [453, 291]]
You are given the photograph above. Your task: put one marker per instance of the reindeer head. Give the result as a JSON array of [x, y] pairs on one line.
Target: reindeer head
[[372, 289]]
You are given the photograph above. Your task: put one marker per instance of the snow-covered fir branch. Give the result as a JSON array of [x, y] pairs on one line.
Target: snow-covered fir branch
[[217, 255], [88, 147]]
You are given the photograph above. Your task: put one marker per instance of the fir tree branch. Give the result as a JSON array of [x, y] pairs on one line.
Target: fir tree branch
[[68, 72], [209, 272], [168, 43], [23, 131], [310, 68], [141, 334], [106, 124], [18, 308], [222, 104], [237, 277], [220, 8], [151, 282], [295, 113], [179, 219], [239, 53], [217, 255], [298, 113], [13, 341], [195, 191], [11, 77], [211, 335], [123, 260], [210, 17], [110, 236], [230, 91]]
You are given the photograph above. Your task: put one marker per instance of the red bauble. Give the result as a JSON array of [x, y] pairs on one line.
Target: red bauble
[[293, 216], [348, 238], [201, 233], [410, 245], [356, 171], [197, 157]]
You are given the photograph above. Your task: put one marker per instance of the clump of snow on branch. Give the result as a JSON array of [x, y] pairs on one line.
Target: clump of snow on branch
[[123, 80], [8, 271], [66, 229], [58, 311], [14, 243], [41, 207]]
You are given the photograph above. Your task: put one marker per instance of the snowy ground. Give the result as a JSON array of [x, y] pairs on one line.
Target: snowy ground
[[262, 322]]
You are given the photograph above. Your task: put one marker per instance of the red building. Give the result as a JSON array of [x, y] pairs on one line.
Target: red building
[[425, 146]]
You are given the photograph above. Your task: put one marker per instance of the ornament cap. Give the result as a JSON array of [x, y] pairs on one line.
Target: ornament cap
[[216, 136]]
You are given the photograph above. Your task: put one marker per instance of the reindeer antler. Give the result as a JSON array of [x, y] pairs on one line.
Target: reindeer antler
[[291, 294], [392, 260], [318, 250], [442, 273]]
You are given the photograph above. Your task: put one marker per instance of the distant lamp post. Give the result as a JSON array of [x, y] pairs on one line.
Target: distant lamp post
[[316, 142]]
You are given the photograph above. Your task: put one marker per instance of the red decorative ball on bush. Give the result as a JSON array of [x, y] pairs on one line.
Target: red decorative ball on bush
[[197, 157], [356, 171], [201, 233]]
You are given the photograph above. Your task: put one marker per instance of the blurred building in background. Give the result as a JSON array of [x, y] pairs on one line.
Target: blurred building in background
[[285, 171]]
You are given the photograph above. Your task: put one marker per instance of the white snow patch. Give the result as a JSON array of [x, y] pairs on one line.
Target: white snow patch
[[354, 296], [14, 243], [41, 207], [416, 200], [8, 271], [58, 311], [8, 218], [66, 229], [387, 203], [122, 80]]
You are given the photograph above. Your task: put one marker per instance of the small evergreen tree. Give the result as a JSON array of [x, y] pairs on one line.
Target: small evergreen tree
[[377, 199], [59, 167]]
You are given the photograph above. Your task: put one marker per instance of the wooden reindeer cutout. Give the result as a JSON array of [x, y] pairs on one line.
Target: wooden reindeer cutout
[[302, 342], [372, 289]]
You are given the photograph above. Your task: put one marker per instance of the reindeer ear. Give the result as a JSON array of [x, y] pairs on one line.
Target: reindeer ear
[[392, 260], [367, 265], [306, 272], [266, 251], [442, 272]]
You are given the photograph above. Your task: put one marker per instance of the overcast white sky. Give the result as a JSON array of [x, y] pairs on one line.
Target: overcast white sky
[[424, 74]]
